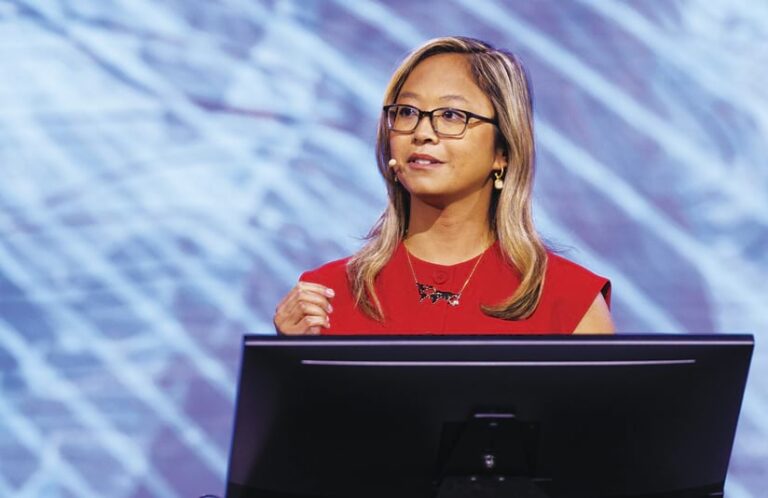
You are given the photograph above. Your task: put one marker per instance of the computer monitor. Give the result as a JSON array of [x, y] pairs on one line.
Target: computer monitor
[[534, 416]]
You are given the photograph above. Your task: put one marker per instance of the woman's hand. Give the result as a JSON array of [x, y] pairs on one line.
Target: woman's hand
[[304, 310]]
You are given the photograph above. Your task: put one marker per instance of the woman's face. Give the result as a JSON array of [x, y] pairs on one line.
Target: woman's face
[[440, 170]]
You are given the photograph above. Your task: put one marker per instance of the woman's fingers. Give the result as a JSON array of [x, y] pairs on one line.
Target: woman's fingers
[[310, 295], [318, 288], [304, 310], [305, 303]]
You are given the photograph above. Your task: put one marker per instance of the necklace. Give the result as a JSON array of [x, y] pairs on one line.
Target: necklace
[[432, 293]]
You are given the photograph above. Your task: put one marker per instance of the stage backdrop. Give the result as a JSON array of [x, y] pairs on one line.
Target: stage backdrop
[[169, 167]]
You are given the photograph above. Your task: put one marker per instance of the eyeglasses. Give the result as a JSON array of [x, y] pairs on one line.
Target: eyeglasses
[[446, 121]]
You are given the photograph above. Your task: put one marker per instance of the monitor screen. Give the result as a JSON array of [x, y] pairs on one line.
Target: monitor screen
[[544, 416]]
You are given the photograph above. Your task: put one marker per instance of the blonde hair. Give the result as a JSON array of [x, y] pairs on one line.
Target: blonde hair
[[502, 78]]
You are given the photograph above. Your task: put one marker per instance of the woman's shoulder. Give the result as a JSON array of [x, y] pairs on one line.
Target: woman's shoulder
[[567, 277]]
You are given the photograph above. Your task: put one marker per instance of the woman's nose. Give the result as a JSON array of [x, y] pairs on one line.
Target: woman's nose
[[424, 131]]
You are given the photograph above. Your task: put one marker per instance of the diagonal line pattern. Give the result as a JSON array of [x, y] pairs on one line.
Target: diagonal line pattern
[[666, 47], [752, 202], [142, 386], [121, 447], [33, 440]]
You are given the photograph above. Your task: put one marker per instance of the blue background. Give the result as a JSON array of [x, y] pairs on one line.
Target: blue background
[[168, 168]]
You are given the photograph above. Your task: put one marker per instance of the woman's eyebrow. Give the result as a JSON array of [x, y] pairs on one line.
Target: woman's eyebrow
[[408, 95], [414, 95], [454, 97]]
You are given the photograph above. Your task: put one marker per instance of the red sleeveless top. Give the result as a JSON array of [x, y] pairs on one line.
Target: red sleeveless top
[[569, 290]]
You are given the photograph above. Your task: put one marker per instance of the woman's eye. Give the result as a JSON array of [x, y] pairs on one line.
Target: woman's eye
[[407, 112], [452, 115]]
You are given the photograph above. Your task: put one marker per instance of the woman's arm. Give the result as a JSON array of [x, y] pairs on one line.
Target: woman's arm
[[597, 319]]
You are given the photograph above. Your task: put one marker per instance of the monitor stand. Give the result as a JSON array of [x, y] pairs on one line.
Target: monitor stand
[[491, 455]]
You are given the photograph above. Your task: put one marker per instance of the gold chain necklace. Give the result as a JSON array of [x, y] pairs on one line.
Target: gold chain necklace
[[432, 293]]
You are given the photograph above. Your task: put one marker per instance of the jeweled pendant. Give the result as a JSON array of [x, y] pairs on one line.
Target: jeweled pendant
[[434, 295]]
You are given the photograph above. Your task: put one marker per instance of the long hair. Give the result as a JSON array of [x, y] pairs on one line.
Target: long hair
[[503, 79]]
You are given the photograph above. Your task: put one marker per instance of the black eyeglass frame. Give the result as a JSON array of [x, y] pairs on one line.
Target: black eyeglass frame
[[469, 115]]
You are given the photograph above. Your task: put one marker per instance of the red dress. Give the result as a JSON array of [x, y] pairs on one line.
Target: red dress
[[569, 290]]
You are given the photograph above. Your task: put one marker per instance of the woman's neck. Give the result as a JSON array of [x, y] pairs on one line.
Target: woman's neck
[[447, 235]]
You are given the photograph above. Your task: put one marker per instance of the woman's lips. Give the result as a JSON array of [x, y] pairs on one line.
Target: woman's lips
[[423, 161]]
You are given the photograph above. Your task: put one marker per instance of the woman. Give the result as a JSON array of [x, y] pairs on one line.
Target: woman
[[456, 251]]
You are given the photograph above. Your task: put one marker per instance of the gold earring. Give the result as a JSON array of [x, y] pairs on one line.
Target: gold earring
[[498, 183]]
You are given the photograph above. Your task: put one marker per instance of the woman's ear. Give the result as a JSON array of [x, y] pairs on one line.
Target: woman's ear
[[500, 161]]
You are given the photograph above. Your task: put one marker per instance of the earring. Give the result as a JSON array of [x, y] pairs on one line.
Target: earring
[[392, 164], [498, 183]]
